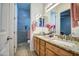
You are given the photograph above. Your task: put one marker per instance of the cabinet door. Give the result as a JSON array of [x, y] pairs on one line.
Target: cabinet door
[[49, 53], [36, 45], [42, 50], [52, 47], [58, 51]]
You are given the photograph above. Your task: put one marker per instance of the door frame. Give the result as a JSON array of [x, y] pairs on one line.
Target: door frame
[[13, 17], [15, 27], [11, 29]]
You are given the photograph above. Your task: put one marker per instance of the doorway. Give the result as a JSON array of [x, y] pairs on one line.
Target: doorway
[[23, 29], [23, 25]]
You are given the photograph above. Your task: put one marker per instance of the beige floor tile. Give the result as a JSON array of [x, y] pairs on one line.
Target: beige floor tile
[[24, 50]]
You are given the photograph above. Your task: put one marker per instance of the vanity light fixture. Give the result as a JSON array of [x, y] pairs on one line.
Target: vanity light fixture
[[52, 7]]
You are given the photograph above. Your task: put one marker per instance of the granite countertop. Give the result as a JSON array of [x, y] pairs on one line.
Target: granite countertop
[[74, 49]]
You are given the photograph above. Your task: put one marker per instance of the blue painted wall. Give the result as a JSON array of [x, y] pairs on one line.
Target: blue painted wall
[[23, 21]]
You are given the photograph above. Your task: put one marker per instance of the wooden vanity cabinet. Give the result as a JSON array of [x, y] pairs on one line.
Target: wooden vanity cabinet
[[44, 48]]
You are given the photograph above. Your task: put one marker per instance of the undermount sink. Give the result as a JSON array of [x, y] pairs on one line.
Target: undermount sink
[[61, 42], [68, 44]]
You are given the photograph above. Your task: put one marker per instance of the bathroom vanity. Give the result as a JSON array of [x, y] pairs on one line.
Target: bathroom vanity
[[45, 46]]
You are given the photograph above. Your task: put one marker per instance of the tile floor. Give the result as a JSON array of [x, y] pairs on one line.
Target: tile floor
[[24, 50]]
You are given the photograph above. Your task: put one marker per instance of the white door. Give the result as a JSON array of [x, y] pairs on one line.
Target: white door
[[4, 42], [6, 29]]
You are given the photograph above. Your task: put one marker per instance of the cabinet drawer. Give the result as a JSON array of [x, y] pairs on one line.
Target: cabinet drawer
[[52, 48], [50, 53], [42, 42]]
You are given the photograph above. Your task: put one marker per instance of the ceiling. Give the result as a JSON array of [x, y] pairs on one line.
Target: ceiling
[[25, 6]]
